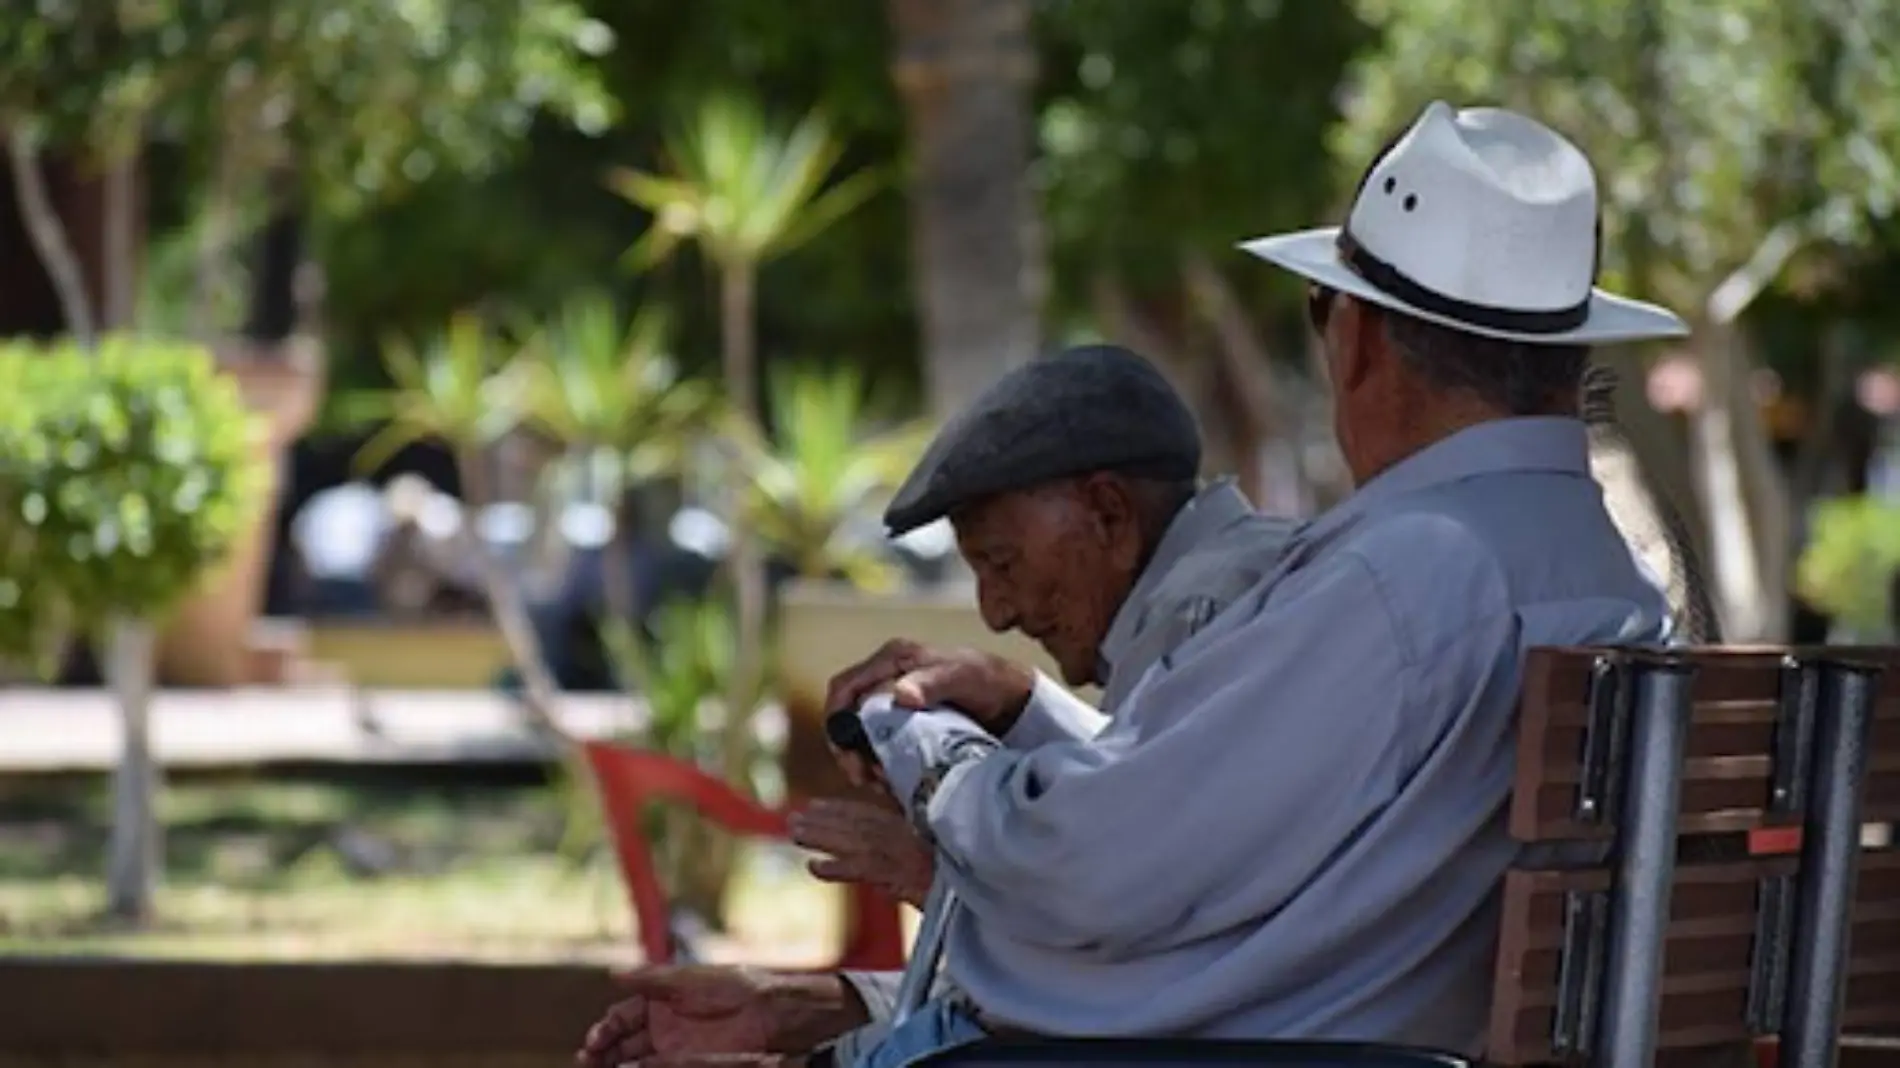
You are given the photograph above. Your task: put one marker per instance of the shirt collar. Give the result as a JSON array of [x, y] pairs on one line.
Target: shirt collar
[[1215, 508], [1500, 446]]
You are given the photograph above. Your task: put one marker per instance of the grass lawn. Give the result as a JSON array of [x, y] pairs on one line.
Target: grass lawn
[[415, 865]]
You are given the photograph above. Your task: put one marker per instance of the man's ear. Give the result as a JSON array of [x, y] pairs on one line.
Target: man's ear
[[1112, 508], [1361, 340]]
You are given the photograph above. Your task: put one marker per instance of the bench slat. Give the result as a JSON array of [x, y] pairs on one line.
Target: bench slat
[[1707, 960], [1731, 744]]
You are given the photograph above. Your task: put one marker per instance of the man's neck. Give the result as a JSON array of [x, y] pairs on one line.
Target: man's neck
[[1428, 424]]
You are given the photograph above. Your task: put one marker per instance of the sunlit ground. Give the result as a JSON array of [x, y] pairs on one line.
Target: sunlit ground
[[315, 870]]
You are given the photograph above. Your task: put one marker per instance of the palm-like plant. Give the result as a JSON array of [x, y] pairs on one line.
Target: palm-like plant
[[597, 386], [615, 397], [460, 390], [811, 488], [463, 390], [746, 191]]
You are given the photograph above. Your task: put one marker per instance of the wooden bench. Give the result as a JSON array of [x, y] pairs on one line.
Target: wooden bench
[[1640, 927], [1652, 924]]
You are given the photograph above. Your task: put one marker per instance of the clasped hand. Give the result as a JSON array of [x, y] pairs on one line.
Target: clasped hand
[[869, 840]]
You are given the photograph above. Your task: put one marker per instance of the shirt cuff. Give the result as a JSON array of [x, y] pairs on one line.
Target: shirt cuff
[[878, 991], [916, 749], [1053, 715]]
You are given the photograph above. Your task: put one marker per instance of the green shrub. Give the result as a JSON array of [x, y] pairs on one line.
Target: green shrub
[[125, 475], [1847, 569]]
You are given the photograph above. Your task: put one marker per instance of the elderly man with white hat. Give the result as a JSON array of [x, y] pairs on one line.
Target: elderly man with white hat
[[1293, 825]]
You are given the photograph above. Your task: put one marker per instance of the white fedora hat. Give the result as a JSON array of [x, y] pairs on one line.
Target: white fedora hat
[[1482, 220]]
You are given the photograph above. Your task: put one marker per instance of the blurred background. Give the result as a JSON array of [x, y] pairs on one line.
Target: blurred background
[[408, 403]]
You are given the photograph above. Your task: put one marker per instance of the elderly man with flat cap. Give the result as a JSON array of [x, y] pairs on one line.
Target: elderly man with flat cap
[[1071, 484]]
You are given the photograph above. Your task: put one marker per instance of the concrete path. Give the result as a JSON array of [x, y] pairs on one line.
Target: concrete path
[[45, 730]]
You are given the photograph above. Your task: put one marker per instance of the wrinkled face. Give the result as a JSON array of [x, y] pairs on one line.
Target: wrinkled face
[[1055, 563]]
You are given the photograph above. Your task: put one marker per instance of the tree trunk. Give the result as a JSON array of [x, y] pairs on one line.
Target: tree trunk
[[1740, 595], [133, 858], [134, 852], [965, 70], [48, 235], [1243, 374], [738, 344], [745, 560], [1766, 495], [509, 609], [120, 254], [136, 857], [709, 866], [540, 690], [212, 276]]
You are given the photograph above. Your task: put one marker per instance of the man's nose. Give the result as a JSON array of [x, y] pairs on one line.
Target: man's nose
[[998, 613]]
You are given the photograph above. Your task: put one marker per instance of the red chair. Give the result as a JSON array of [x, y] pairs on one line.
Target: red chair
[[630, 778]]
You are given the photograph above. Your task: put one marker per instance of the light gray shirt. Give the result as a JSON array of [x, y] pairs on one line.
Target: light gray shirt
[[1294, 825], [1214, 550]]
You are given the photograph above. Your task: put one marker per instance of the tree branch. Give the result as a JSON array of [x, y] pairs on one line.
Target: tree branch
[[1736, 292], [49, 238]]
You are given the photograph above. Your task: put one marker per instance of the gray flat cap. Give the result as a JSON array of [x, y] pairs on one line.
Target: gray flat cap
[[1090, 408]]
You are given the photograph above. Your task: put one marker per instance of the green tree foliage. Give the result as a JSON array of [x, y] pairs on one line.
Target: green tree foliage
[[125, 474], [547, 224], [1196, 123], [369, 96], [1852, 557]]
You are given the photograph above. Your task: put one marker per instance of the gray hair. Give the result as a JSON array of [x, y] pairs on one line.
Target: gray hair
[[1517, 377]]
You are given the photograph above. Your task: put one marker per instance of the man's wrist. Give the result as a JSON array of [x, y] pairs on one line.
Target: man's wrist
[[1022, 688], [811, 1010]]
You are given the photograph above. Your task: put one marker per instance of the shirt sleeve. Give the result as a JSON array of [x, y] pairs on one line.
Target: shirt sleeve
[[1054, 715], [1233, 773], [878, 991]]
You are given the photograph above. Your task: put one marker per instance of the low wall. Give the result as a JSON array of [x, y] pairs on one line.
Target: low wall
[[385, 1015], [164, 1014]]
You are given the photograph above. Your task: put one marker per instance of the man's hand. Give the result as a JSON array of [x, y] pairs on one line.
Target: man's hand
[[988, 688], [866, 843], [693, 1010]]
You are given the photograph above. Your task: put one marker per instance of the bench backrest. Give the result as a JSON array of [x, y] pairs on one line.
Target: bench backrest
[[1640, 918]]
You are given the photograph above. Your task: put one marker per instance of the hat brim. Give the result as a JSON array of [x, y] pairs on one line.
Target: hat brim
[[1314, 255]]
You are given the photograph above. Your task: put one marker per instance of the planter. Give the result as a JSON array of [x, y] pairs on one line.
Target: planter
[[393, 655], [826, 627], [206, 642]]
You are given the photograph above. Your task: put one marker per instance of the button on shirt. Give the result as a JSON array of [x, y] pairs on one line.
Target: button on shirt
[[1294, 825]]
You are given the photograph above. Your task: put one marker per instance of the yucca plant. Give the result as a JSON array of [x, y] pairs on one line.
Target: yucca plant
[[463, 390], [821, 473], [615, 398], [745, 190]]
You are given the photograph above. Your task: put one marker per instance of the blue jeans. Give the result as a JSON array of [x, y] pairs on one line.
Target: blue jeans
[[945, 1023]]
